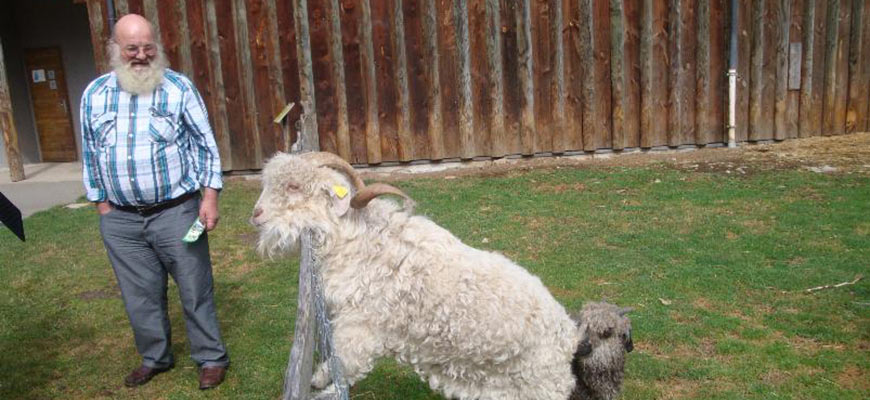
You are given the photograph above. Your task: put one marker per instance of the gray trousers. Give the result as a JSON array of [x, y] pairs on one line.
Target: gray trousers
[[143, 250]]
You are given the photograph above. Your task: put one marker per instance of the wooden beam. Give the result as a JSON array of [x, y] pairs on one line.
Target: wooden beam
[[309, 139], [433, 74], [335, 47], [463, 49], [99, 35], [400, 65], [527, 81], [7, 126]]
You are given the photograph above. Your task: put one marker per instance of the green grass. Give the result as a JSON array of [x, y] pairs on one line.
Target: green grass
[[714, 265]]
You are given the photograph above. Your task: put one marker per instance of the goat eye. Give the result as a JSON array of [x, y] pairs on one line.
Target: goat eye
[[292, 186]]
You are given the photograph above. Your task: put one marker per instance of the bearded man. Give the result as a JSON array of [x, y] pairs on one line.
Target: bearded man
[[151, 166]]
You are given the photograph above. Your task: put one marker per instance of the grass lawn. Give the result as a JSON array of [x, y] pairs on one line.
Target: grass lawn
[[714, 264]]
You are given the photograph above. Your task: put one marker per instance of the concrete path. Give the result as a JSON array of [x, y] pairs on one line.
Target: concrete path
[[46, 185]]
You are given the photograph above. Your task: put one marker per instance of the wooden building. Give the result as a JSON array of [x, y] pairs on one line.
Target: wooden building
[[403, 80]]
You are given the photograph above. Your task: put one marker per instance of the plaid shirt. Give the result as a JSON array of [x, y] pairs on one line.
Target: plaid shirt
[[139, 150]]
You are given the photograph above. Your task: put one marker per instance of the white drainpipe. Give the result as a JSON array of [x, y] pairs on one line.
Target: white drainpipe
[[732, 79]]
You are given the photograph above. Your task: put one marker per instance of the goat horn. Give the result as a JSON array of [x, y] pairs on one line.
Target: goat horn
[[367, 193], [625, 310], [335, 162]]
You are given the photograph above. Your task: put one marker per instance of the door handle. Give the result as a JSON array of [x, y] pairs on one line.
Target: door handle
[[63, 104]]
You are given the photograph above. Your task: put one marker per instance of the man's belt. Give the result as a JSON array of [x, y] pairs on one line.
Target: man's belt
[[148, 209]]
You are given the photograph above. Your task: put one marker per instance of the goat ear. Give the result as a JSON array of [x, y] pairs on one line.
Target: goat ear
[[339, 198]]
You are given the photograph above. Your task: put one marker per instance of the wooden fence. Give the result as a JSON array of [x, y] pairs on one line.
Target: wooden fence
[[401, 80]]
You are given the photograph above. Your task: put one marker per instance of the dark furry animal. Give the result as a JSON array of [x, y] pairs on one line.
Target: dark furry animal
[[599, 361]]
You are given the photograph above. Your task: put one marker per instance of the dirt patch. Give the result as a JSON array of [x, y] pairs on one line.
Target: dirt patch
[[831, 154], [854, 378]]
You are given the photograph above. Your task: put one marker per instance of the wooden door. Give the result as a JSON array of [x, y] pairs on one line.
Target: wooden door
[[51, 108]]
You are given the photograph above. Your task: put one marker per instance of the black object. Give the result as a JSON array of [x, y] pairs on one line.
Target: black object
[[11, 217]]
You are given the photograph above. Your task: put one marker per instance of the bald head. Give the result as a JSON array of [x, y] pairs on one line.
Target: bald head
[[132, 27]]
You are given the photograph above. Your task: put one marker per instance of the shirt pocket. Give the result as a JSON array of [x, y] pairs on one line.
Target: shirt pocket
[[162, 127], [105, 128]]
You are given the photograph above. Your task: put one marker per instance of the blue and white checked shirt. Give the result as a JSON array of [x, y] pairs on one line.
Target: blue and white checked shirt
[[147, 149]]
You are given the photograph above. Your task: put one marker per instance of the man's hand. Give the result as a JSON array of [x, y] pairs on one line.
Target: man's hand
[[208, 209], [104, 207]]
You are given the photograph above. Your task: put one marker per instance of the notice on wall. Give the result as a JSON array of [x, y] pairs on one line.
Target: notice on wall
[[38, 75], [52, 85], [51, 74]]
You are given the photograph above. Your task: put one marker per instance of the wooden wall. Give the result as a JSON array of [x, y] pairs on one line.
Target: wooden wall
[[402, 80]]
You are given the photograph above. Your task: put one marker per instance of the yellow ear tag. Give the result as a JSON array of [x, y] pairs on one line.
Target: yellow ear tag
[[339, 191]]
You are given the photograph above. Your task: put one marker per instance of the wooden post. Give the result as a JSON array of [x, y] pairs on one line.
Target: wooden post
[[297, 378], [7, 126], [309, 139]]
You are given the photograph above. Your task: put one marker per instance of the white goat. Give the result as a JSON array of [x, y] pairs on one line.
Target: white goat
[[470, 322]]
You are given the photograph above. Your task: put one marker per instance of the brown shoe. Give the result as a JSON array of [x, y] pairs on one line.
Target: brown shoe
[[142, 375], [211, 377]]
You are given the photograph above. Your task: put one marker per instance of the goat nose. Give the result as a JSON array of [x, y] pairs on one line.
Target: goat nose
[[257, 212]]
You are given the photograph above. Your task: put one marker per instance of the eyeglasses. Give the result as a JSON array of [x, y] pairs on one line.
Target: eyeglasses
[[132, 50]]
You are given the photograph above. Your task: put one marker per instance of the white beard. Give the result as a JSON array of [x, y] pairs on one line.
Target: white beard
[[140, 80]]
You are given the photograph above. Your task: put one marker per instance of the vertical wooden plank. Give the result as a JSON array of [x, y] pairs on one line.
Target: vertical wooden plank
[[449, 73], [433, 84], [525, 65], [836, 68], [795, 33], [99, 34], [309, 139], [241, 143], [681, 125], [400, 66], [595, 62], [481, 76], [213, 69], [812, 73], [276, 78], [781, 15], [151, 12], [342, 132], [712, 65], [617, 72], [122, 8], [557, 86], [418, 76], [201, 70], [351, 34], [744, 60], [370, 84], [762, 79], [513, 100], [385, 80], [542, 73], [137, 7], [7, 126], [265, 82], [322, 64], [167, 15], [467, 148], [573, 121], [859, 69], [654, 75], [625, 73], [495, 79], [631, 70], [287, 46], [246, 78], [185, 38]]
